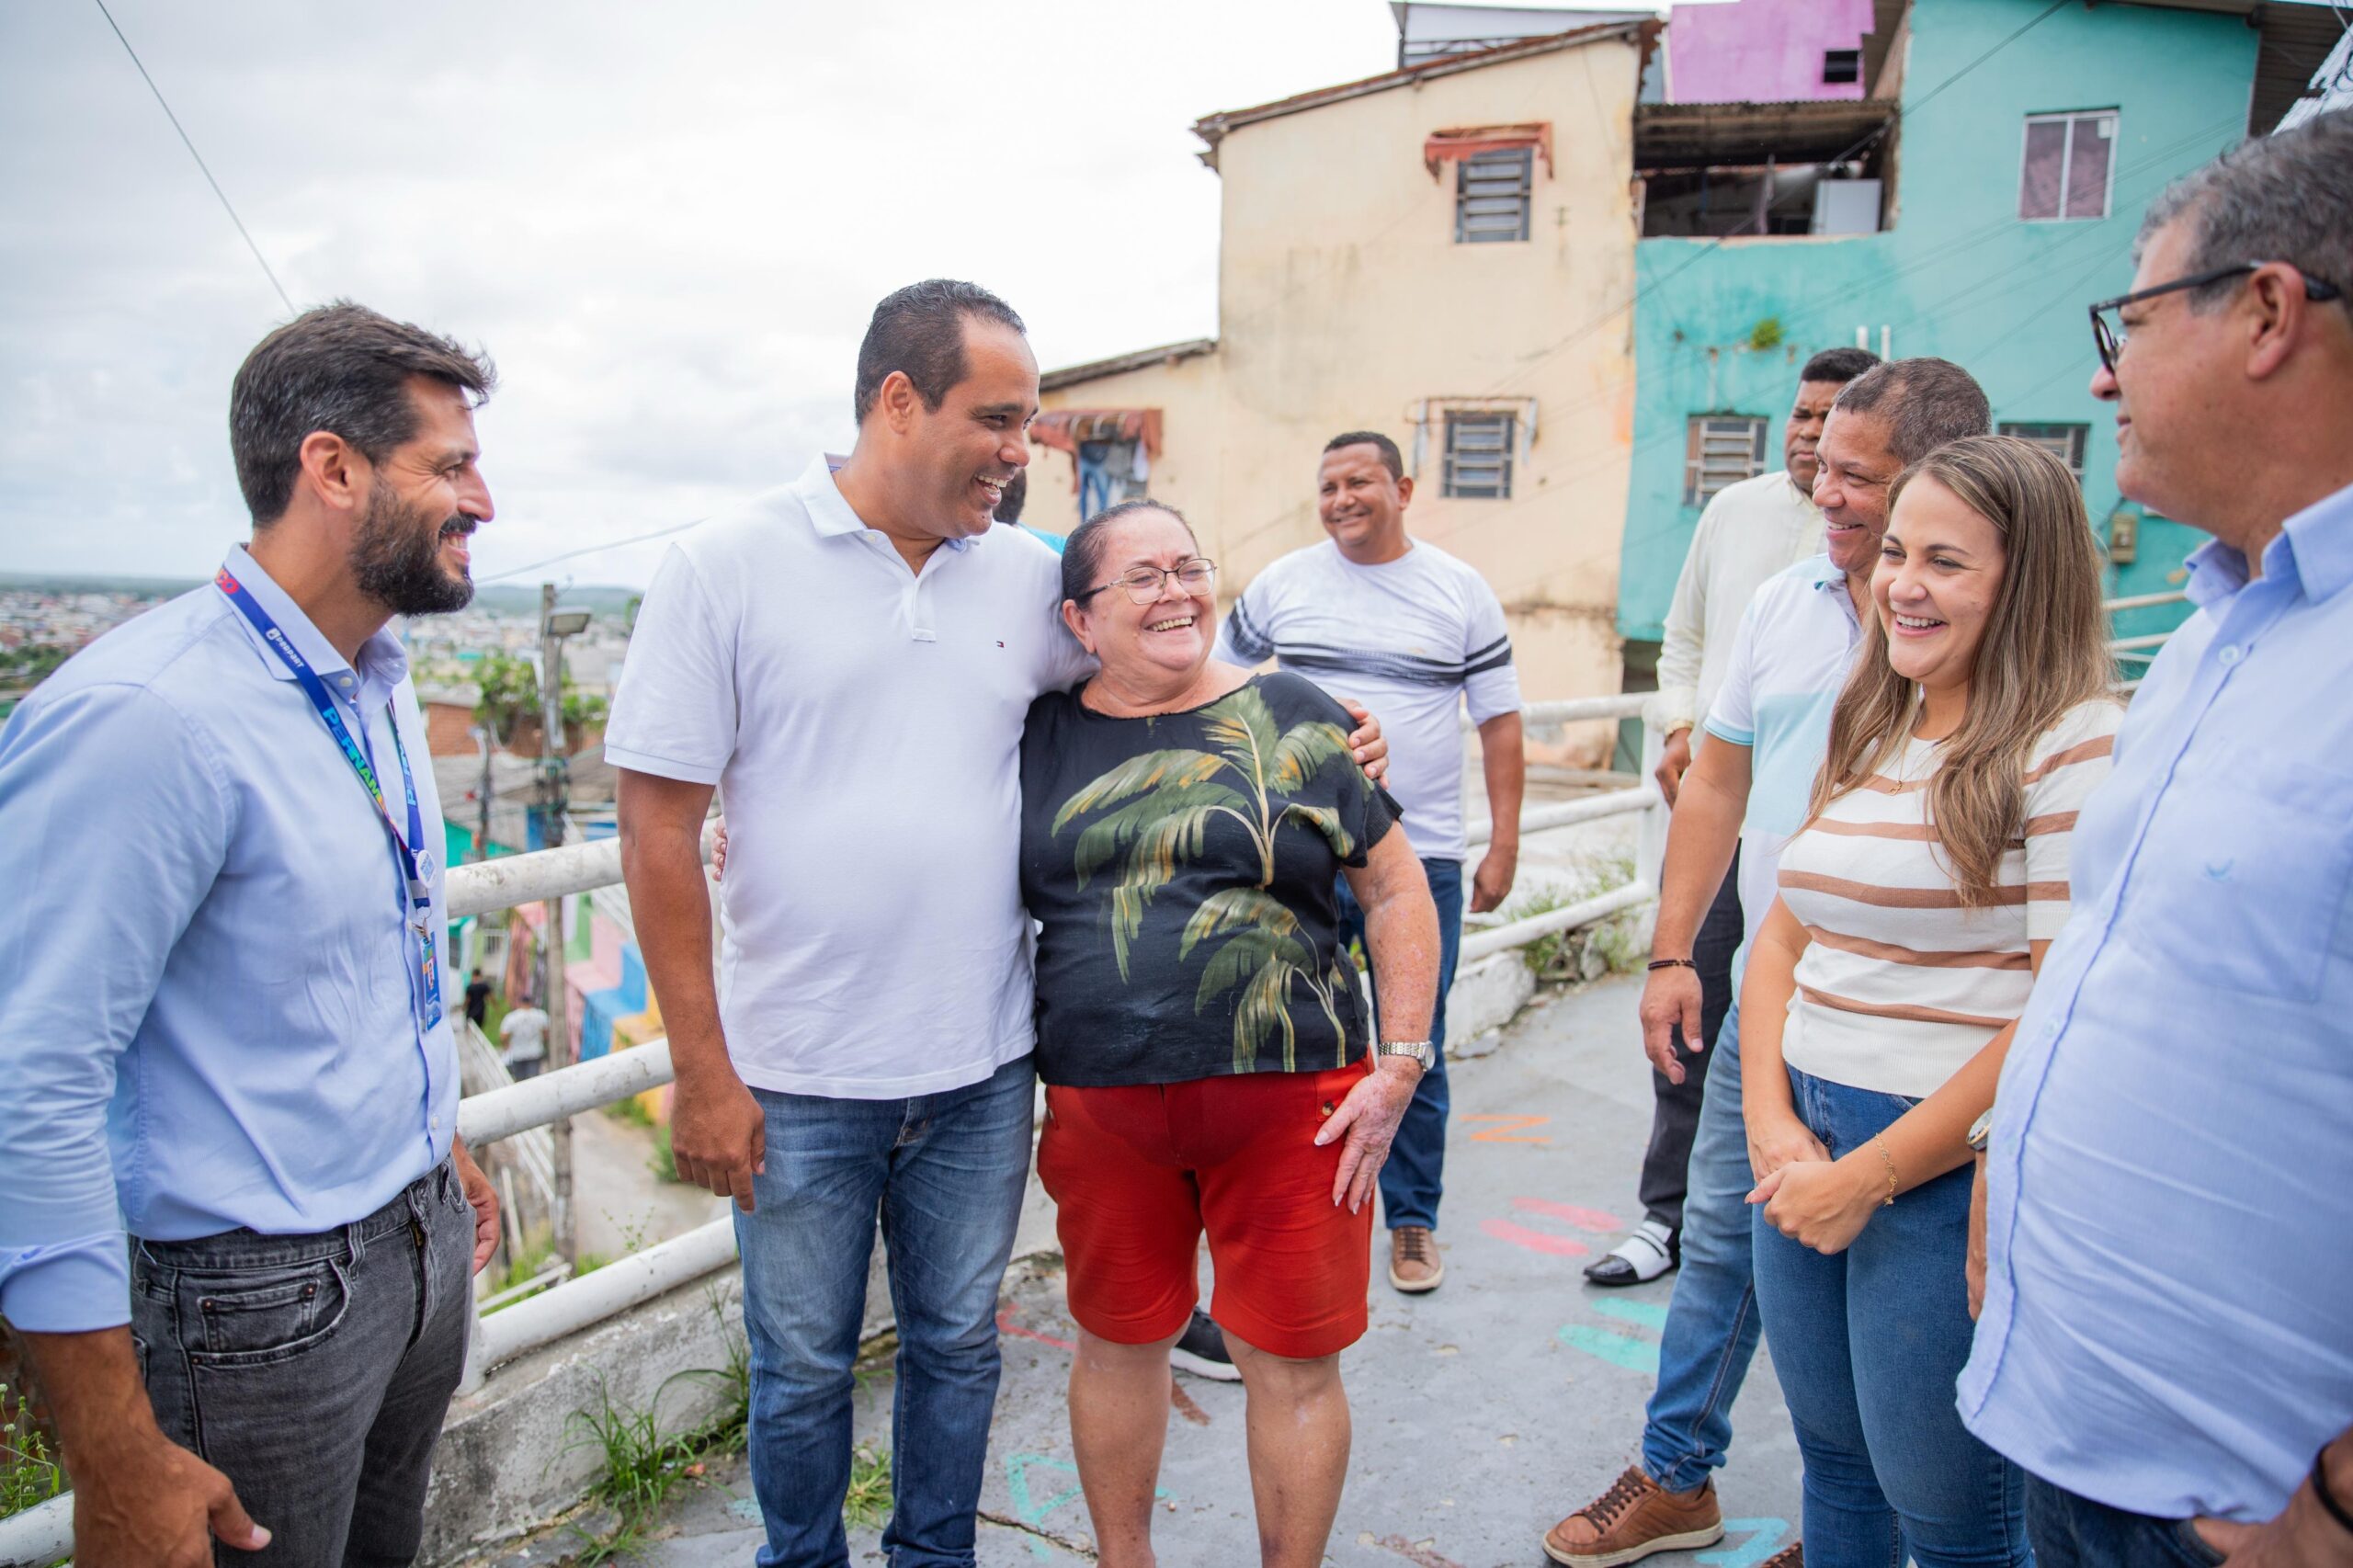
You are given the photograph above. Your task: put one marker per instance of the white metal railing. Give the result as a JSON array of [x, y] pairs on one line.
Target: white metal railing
[[44, 1534], [2145, 601]]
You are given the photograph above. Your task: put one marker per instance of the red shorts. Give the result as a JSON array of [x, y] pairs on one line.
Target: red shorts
[[1138, 1172]]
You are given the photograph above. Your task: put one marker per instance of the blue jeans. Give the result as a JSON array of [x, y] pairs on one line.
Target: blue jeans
[[1711, 1324], [1868, 1343], [945, 1172], [2071, 1531], [1412, 1180]]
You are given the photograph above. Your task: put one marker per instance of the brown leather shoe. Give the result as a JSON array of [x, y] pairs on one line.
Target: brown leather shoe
[[1788, 1557], [1414, 1265], [1635, 1517]]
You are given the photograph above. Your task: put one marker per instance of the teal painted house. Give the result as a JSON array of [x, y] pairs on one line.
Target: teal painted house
[[1988, 189]]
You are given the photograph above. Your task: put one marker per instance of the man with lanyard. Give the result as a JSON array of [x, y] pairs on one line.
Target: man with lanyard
[[1747, 788], [226, 1030], [2166, 1211]]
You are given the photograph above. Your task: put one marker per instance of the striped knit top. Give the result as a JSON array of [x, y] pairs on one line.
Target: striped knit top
[[1899, 984]]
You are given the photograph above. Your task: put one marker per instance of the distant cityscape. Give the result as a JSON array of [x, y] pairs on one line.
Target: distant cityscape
[[45, 620]]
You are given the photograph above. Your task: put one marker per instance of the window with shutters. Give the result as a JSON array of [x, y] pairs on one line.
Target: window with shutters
[[1478, 457], [2069, 165], [1492, 192], [2065, 442], [1720, 449]]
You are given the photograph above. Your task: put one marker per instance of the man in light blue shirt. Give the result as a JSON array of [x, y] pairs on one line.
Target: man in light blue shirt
[[2166, 1339], [224, 1030]]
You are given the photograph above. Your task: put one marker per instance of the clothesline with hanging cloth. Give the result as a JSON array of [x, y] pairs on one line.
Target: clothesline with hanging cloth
[[1463, 141], [1064, 428]]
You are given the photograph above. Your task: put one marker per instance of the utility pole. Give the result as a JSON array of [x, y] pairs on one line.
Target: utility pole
[[551, 983]]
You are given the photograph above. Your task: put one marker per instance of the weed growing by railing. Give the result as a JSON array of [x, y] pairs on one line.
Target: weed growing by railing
[[1606, 947], [29, 1472]]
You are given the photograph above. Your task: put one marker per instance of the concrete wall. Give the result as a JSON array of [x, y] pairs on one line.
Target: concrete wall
[[1761, 51], [1961, 276], [1345, 302]]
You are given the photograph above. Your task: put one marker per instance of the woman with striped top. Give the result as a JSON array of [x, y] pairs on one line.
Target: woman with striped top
[[1914, 905]]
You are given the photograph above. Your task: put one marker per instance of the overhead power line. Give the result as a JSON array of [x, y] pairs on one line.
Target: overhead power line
[[590, 549], [206, 173]]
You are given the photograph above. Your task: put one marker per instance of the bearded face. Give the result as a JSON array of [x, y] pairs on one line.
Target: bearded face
[[409, 559]]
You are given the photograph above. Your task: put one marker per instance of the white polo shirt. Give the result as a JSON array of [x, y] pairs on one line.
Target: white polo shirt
[[863, 725]]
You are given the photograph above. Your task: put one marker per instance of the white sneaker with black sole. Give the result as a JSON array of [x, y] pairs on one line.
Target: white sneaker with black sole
[[1202, 1351], [1642, 1257]]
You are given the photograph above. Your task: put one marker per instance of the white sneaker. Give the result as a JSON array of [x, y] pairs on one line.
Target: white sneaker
[[1642, 1257]]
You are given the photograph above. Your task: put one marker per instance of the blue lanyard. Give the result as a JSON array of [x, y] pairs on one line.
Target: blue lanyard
[[417, 908]]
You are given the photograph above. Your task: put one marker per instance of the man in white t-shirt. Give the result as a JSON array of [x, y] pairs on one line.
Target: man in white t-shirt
[[525, 1033], [1415, 634], [1749, 531], [849, 661]]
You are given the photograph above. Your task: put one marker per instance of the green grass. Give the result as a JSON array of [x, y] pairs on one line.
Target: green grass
[[631, 1110], [867, 1503], [29, 1471], [643, 1467], [665, 1163], [1562, 957]]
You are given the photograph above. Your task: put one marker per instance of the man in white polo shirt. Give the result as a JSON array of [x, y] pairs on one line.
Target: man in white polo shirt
[[849, 660], [1418, 634], [1749, 531]]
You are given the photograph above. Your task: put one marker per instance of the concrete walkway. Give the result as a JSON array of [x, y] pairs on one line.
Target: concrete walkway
[[1484, 1411]]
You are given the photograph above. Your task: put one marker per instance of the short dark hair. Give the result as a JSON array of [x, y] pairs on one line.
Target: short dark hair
[[1925, 402], [1838, 365], [1390, 457], [1082, 550], [343, 368], [919, 332]]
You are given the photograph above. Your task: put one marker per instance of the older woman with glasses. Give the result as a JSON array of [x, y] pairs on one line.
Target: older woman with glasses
[[1209, 1061]]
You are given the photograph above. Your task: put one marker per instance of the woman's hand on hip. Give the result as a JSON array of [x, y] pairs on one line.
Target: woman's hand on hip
[[1824, 1204], [1368, 1119]]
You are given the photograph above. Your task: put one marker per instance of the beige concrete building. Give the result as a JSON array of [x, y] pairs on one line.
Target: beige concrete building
[[1444, 254]]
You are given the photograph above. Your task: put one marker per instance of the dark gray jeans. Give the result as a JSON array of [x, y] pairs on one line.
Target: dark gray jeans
[[314, 1371]]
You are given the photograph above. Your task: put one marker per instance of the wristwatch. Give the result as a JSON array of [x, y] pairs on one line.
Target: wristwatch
[[1419, 1049], [1981, 1132]]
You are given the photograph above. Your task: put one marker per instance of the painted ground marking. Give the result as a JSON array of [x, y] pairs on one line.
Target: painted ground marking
[[1765, 1538], [1507, 1128]]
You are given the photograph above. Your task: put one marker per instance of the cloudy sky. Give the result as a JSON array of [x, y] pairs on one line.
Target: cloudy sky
[[667, 223]]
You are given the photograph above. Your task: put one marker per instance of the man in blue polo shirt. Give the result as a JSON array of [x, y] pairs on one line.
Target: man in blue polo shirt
[[1749, 786]]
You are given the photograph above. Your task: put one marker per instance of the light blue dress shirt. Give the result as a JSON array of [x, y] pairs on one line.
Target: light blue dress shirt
[[2168, 1321], [210, 1013]]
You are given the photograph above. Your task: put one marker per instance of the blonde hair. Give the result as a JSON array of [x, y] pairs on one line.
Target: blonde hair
[[2043, 652]]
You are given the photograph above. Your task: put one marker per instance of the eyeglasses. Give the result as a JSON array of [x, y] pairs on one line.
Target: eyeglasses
[[1195, 577], [2111, 335]]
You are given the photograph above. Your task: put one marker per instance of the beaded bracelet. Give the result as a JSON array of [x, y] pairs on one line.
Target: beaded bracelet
[[1670, 963]]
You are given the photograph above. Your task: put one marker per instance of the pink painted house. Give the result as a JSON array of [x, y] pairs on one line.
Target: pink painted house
[[1766, 51]]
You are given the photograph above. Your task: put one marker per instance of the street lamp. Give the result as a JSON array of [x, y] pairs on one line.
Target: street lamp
[[555, 625]]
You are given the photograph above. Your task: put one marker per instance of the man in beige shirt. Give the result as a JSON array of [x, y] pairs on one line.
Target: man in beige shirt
[[1749, 531]]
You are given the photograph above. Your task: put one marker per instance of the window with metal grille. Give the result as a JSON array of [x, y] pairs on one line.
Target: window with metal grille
[[2069, 167], [1720, 450], [1478, 457], [1842, 65], [1492, 192], [2065, 442]]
